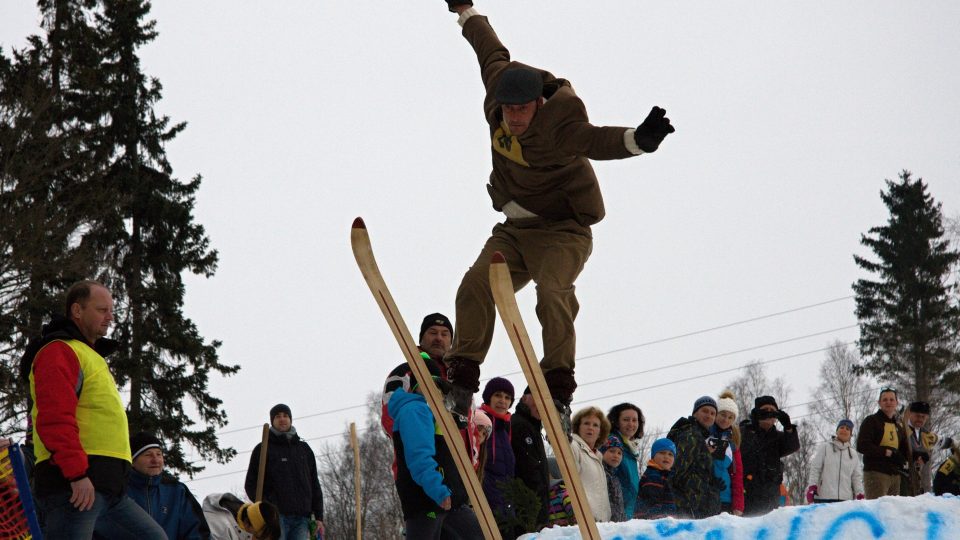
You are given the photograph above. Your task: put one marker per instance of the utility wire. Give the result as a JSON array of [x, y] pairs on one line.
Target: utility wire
[[631, 347]]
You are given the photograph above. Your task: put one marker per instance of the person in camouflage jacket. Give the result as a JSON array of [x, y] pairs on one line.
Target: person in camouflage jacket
[[695, 488]]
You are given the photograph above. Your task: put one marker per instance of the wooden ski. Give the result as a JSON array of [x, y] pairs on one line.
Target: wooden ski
[[503, 294], [363, 252]]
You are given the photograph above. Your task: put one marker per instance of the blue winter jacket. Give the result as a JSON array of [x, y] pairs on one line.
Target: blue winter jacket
[[170, 504], [413, 421], [628, 472], [721, 467]]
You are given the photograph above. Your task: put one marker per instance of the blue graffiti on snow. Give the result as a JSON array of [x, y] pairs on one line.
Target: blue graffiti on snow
[[876, 528]]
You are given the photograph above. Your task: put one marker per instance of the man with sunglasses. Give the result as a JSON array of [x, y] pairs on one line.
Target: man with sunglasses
[[885, 448]]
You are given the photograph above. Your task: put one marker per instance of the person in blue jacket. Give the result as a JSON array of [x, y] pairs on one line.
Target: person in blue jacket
[[432, 494], [166, 499]]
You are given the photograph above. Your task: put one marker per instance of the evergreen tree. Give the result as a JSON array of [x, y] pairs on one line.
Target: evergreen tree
[[48, 194], [150, 240], [909, 317]]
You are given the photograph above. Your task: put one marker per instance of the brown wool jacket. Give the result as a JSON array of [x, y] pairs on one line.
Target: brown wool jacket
[[875, 436], [547, 169]]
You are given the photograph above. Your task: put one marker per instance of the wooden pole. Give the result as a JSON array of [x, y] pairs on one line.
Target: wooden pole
[[356, 477], [263, 461]]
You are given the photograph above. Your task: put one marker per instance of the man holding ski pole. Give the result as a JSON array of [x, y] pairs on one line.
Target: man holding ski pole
[[542, 143]]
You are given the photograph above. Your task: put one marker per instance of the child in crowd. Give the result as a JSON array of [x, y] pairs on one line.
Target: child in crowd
[[612, 451], [655, 500]]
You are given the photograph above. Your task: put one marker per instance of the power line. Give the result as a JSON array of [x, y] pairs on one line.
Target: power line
[[715, 356], [675, 381], [614, 351]]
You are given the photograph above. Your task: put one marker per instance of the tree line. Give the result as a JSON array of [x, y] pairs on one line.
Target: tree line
[[87, 191]]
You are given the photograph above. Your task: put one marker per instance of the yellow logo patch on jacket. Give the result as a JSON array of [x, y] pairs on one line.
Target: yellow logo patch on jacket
[[507, 145], [890, 437], [948, 466], [928, 439]]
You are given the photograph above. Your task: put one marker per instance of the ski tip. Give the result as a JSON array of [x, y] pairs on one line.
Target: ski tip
[[359, 224], [497, 258]]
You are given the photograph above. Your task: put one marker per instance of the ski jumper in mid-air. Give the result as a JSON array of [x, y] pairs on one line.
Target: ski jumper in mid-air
[[542, 143]]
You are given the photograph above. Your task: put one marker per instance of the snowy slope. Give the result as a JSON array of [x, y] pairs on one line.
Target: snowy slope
[[895, 518]]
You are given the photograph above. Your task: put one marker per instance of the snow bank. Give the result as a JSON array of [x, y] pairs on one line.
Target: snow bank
[[901, 518]]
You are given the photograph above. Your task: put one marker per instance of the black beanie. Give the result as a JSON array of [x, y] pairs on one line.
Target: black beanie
[[921, 407], [434, 319], [141, 442], [765, 400], [518, 86], [280, 408]]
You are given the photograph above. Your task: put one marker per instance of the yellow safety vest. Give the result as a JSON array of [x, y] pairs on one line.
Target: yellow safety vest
[[100, 415]]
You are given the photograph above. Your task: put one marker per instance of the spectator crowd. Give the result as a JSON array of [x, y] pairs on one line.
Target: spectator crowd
[[99, 482]]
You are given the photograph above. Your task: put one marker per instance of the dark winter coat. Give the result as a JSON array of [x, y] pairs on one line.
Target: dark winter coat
[[426, 471], [761, 452], [695, 488], [500, 465], [877, 434], [290, 481], [628, 474], [655, 499], [531, 457], [169, 503], [615, 494], [947, 479]]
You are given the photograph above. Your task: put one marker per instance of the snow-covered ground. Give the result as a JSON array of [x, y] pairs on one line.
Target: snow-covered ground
[[900, 518]]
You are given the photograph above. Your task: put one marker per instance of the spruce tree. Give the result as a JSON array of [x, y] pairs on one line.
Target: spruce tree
[[48, 194], [908, 312], [148, 244]]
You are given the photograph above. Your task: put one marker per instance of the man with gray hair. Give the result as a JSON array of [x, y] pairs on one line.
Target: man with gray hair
[[542, 181]]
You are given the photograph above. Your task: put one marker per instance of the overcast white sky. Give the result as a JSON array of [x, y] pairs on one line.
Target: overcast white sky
[[305, 115]]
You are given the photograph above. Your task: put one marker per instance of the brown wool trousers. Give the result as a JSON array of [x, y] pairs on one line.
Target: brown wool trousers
[[877, 484], [549, 253]]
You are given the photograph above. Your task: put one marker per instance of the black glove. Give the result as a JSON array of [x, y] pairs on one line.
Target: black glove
[[784, 419], [651, 132], [946, 444], [897, 458], [452, 3]]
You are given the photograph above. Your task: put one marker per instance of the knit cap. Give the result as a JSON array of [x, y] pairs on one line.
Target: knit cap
[[846, 422], [612, 442], [661, 445], [518, 86], [434, 319], [497, 384], [280, 408], [729, 405], [704, 401], [481, 420], [143, 441]]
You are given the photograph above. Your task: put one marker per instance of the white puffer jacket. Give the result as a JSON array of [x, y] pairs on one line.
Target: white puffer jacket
[[836, 471], [590, 465]]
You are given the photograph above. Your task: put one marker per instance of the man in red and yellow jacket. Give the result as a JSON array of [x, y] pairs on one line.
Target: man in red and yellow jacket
[[79, 423]]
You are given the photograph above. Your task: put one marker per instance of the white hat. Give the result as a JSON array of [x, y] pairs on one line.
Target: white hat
[[727, 404]]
